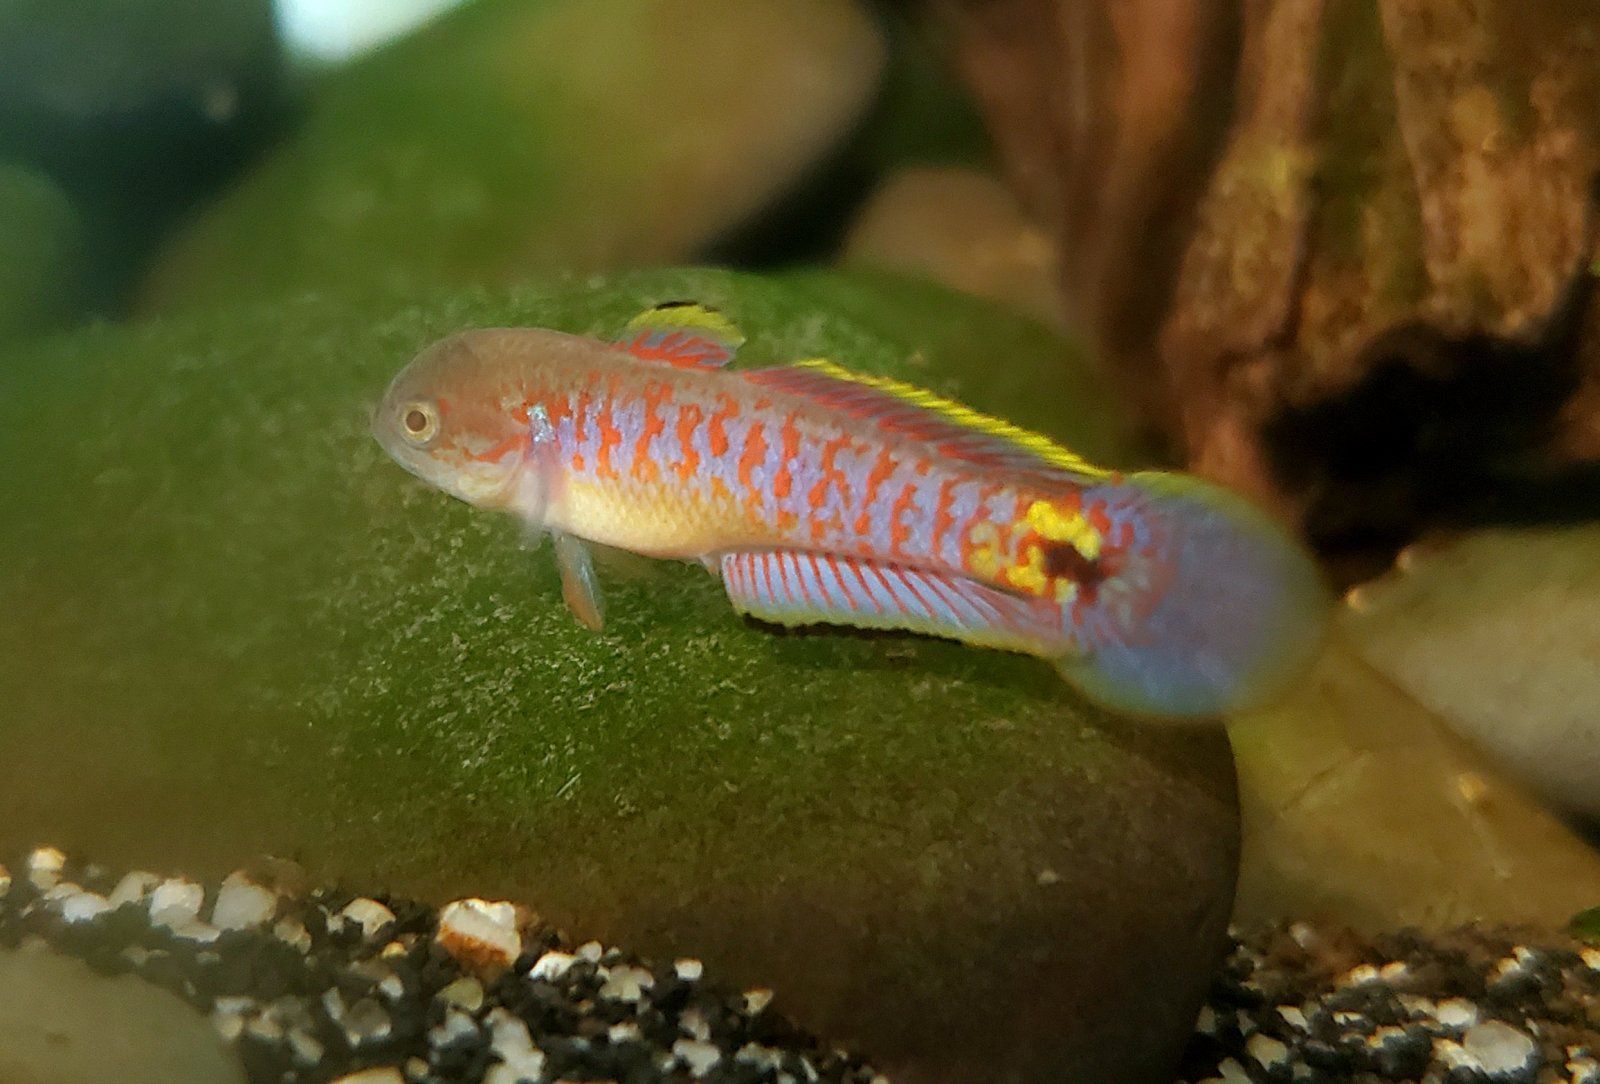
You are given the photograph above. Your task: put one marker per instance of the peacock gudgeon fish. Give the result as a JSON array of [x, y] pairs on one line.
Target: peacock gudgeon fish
[[819, 495]]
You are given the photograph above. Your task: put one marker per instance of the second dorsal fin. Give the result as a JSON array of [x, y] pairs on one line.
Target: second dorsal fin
[[682, 333], [958, 431]]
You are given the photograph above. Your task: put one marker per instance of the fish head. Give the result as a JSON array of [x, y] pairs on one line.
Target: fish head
[[457, 418]]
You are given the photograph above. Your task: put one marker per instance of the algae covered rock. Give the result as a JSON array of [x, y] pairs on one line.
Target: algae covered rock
[[99, 89], [558, 135], [1498, 632], [247, 630], [136, 108], [39, 251]]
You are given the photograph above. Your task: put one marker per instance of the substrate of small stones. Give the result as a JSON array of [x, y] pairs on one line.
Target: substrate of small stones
[[311, 985], [1474, 1006]]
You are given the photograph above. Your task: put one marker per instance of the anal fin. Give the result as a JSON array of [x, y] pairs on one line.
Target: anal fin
[[792, 587]]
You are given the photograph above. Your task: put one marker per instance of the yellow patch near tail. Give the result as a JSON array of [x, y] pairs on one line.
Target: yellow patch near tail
[[1051, 523]]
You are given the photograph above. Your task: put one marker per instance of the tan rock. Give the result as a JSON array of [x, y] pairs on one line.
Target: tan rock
[[61, 1023], [963, 228], [1361, 807], [1498, 632]]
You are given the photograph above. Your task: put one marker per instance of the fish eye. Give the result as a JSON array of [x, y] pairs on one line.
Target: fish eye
[[420, 421]]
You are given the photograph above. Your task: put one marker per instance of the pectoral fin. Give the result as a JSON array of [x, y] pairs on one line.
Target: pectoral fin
[[578, 585]]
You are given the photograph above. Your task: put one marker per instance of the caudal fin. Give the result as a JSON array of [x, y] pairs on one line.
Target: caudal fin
[[1205, 606]]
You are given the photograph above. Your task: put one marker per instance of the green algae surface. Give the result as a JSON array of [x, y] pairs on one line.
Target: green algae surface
[[227, 571], [39, 251], [533, 136], [234, 626]]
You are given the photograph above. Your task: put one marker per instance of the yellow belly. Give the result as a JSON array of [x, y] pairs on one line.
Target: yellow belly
[[657, 525]]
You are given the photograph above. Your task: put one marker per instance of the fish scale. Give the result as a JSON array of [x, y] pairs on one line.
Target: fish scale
[[819, 495]]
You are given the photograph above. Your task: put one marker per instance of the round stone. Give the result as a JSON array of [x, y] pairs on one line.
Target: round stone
[[310, 653], [62, 1023]]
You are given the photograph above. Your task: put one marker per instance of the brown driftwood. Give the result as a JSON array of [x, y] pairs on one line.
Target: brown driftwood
[[1340, 249]]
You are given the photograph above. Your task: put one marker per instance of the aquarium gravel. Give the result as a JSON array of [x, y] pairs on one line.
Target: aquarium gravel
[[311, 984], [1471, 1006]]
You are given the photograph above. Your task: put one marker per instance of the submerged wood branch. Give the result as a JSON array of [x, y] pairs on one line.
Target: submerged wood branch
[[1339, 249]]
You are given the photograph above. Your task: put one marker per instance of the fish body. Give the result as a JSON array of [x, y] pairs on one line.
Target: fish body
[[819, 495]]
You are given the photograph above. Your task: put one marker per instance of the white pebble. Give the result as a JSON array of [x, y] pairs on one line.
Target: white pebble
[[416, 1068], [293, 934], [756, 1001], [1498, 1047], [520, 1061], [1294, 1017], [624, 983], [1385, 1035], [229, 1025], [1591, 958], [1360, 975], [366, 1022], [383, 1075], [5, 881], [44, 867], [457, 1026], [133, 888], [306, 1048], [391, 987], [83, 907], [1418, 1006], [762, 1057], [551, 966], [1457, 1013], [591, 951], [1583, 1070], [370, 915], [693, 1023], [698, 1057], [1267, 1050], [138, 955], [464, 993], [618, 1034], [1232, 1072], [1206, 1022], [265, 1027], [176, 901], [1394, 972], [242, 904], [479, 933], [192, 929], [688, 969]]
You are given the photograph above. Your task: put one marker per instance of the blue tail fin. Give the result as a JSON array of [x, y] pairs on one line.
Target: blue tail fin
[[1206, 607]]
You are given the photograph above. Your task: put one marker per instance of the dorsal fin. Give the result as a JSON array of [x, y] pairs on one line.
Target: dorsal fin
[[959, 431], [684, 334]]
